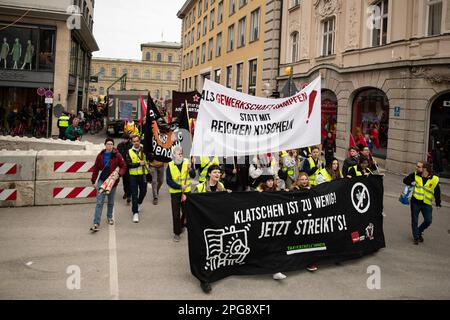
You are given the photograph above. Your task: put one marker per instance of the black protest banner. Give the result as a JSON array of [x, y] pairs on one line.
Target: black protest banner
[[264, 233], [179, 100], [159, 136]]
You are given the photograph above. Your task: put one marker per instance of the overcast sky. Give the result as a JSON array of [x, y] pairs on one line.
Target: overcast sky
[[121, 26]]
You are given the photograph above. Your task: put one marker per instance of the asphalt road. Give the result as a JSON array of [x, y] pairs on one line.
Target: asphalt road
[[42, 249]]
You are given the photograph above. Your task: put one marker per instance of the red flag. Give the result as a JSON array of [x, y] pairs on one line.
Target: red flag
[[144, 110], [352, 141]]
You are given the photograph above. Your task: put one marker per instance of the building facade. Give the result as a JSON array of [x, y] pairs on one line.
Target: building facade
[[231, 42], [45, 44], [157, 72], [385, 68]]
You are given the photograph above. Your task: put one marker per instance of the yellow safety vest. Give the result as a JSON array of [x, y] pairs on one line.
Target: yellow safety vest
[[201, 188], [63, 121], [425, 192], [359, 173], [326, 176], [141, 170], [180, 177], [205, 164], [312, 178]]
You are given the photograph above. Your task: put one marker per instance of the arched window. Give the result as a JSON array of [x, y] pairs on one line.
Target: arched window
[[169, 75], [148, 56], [170, 58], [294, 46], [159, 57], [370, 120]]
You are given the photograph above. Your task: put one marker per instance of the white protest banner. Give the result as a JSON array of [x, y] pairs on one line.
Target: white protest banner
[[231, 123]]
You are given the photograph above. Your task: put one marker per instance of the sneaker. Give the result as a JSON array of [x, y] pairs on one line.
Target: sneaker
[[111, 222], [136, 217], [279, 276], [312, 268], [206, 287], [416, 241], [420, 238], [95, 228], [128, 200], [155, 201], [176, 238]]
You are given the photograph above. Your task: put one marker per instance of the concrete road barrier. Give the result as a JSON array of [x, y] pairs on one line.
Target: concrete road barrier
[[17, 165], [59, 192], [17, 193], [25, 143], [65, 165]]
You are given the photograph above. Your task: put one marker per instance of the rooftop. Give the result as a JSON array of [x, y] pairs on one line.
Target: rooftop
[[162, 44]]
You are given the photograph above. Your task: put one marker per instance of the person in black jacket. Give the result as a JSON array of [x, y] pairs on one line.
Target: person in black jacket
[[350, 161], [426, 187], [123, 148]]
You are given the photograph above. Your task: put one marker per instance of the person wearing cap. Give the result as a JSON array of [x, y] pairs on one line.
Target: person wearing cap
[[123, 148]]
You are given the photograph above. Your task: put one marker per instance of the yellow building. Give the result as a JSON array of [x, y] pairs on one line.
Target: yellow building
[[231, 42], [158, 71]]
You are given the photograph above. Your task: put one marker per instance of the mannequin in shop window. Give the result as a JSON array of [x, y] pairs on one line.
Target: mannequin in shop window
[[16, 53], [28, 55], [4, 52]]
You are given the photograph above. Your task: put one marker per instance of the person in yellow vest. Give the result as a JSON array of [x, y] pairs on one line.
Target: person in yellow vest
[[291, 165], [312, 165], [138, 167], [131, 128], [211, 184], [426, 188], [179, 173], [205, 163], [303, 183], [361, 169], [63, 124], [330, 173]]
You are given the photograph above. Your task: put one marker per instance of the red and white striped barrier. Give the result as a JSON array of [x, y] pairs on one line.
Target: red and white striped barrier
[[8, 168], [8, 194], [73, 166], [74, 193]]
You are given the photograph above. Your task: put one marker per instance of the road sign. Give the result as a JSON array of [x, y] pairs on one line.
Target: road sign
[[49, 100], [397, 111]]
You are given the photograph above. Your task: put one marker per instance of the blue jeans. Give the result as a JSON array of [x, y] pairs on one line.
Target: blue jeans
[[138, 186], [101, 201], [427, 215]]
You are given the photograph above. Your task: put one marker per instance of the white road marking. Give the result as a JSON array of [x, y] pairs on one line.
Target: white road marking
[[113, 272]]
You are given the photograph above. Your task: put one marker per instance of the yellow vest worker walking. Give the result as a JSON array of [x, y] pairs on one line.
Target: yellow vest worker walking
[[178, 177], [138, 168], [63, 124], [426, 188]]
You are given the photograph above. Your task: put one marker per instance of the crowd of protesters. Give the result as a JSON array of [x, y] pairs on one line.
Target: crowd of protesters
[[286, 171]]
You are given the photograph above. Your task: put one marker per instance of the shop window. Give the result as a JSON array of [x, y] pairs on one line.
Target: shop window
[[370, 120]]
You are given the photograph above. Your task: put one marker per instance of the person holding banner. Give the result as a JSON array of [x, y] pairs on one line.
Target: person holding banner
[[330, 173], [426, 187], [313, 165], [138, 168], [205, 163], [263, 163], [106, 162], [351, 161], [178, 175], [303, 183], [365, 152], [361, 169]]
